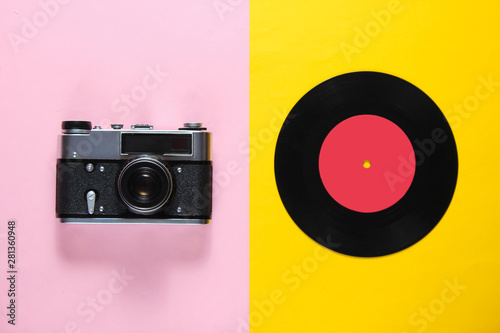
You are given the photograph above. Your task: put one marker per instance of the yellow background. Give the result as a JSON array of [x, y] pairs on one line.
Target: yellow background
[[443, 47]]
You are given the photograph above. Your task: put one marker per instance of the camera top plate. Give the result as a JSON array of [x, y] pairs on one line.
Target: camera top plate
[[80, 141]]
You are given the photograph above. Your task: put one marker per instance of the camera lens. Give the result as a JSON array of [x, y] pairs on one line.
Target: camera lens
[[145, 185]]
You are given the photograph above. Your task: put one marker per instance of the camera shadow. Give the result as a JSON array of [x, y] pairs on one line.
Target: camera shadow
[[151, 251], [136, 243]]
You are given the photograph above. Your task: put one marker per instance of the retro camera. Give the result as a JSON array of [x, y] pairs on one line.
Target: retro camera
[[139, 175]]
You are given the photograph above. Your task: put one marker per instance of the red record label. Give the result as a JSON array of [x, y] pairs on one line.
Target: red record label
[[367, 163]]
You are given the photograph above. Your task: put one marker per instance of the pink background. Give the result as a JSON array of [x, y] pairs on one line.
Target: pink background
[[76, 65]]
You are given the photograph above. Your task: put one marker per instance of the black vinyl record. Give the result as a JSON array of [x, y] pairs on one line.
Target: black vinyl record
[[370, 228]]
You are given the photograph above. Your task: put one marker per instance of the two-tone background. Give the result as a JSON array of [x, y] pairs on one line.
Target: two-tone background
[[239, 68]]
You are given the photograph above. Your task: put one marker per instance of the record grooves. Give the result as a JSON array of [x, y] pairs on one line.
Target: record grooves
[[365, 229]]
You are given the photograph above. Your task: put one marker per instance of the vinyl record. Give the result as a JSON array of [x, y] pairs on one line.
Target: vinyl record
[[366, 164]]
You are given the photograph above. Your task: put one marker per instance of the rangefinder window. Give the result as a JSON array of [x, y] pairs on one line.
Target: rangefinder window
[[138, 143]]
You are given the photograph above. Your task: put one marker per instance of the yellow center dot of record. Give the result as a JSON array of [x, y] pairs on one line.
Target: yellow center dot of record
[[447, 282]]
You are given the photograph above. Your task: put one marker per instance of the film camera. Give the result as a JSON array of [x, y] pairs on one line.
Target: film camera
[[139, 175]]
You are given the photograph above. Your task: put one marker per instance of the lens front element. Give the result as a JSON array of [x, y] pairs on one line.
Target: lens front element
[[145, 185]]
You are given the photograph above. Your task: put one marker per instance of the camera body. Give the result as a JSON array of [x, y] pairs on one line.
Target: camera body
[[132, 176]]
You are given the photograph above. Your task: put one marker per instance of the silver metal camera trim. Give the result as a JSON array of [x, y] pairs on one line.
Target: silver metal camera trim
[[157, 207], [120, 220], [105, 144]]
